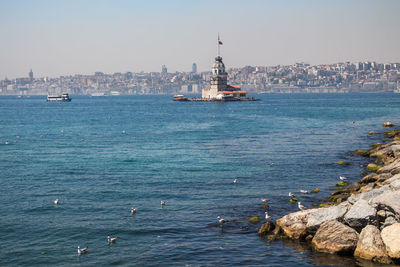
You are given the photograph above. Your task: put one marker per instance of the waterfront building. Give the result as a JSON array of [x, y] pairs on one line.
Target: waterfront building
[[164, 70], [219, 88], [194, 68]]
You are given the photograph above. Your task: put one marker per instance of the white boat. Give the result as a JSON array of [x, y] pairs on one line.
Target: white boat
[[58, 98], [97, 94]]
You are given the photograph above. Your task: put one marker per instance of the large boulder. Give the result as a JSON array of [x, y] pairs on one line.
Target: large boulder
[[322, 215], [370, 245], [294, 224], [390, 236], [369, 194], [388, 201], [335, 237], [360, 215], [390, 167]]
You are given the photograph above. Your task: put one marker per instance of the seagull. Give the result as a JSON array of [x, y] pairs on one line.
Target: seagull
[[111, 239], [133, 210], [267, 217], [235, 181], [303, 191], [83, 250], [291, 195], [221, 220], [301, 207], [124, 132], [264, 200], [162, 202], [342, 178], [56, 201], [272, 163]]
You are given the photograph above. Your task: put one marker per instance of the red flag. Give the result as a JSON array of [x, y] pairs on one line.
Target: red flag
[[219, 42]]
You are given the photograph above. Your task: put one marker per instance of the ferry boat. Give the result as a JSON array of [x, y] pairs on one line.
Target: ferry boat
[[180, 98], [58, 98]]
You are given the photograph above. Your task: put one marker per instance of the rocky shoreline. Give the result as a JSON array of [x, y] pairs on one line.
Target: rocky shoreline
[[362, 219]]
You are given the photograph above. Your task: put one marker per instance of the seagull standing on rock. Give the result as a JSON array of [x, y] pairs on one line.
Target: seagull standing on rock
[[82, 250], [301, 207], [267, 217], [291, 195]]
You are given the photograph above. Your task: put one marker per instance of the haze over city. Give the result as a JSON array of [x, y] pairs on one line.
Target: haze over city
[[70, 37]]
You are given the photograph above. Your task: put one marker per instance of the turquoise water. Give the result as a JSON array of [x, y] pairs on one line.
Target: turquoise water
[[102, 156]]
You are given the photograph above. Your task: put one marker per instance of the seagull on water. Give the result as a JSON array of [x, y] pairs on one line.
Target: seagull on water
[[111, 239], [291, 195], [342, 178], [301, 207], [124, 132], [267, 217], [133, 210], [235, 181], [82, 250], [272, 164], [221, 220], [303, 191], [264, 200], [56, 201], [162, 202]]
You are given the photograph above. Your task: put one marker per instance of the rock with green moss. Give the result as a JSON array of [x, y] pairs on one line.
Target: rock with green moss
[[392, 133], [316, 190], [341, 162], [361, 152], [379, 156], [266, 228], [372, 133], [342, 183], [254, 219], [376, 145], [373, 167], [293, 199]]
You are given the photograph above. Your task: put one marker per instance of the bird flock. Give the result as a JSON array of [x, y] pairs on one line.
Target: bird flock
[[221, 220]]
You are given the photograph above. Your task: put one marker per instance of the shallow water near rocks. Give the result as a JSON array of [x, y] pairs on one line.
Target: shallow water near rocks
[[102, 156]]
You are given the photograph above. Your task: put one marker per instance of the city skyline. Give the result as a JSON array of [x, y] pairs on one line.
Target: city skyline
[[71, 37]]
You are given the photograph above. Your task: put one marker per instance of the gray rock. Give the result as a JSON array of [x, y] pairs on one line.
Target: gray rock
[[335, 237], [360, 215], [293, 225], [389, 201], [390, 236], [370, 245], [390, 167], [395, 185], [369, 195], [389, 221], [322, 215], [393, 178]]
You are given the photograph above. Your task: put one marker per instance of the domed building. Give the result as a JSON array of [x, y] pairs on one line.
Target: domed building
[[220, 89]]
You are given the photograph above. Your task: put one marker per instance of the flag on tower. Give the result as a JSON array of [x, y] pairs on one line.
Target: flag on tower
[[219, 41]]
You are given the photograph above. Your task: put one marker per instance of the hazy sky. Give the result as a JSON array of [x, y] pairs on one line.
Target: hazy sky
[[68, 37]]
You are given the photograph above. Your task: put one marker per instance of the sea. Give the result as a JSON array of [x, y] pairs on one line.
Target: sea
[[102, 156]]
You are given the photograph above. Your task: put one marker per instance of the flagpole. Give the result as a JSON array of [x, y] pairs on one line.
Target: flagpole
[[218, 44]]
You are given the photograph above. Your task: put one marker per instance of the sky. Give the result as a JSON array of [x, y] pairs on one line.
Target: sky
[[67, 37]]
